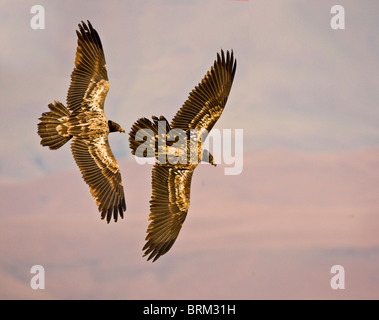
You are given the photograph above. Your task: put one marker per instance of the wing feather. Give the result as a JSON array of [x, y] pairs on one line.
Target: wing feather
[[168, 207], [101, 172], [206, 102], [89, 79]]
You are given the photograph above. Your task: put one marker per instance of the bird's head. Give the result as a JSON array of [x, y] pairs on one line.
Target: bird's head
[[114, 127]]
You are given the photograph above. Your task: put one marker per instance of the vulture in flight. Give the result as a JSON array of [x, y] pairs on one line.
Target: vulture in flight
[[84, 121], [171, 182]]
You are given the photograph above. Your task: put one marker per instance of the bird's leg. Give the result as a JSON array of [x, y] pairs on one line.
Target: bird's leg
[[207, 157]]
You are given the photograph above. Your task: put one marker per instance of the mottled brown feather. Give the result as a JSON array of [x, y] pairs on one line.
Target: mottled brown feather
[[166, 216], [90, 68], [85, 121], [171, 184], [209, 95], [103, 178]]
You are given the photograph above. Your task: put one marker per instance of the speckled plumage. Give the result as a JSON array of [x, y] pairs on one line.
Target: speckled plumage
[[171, 183], [85, 123]]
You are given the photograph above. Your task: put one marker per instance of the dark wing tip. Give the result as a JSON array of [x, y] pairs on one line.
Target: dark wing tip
[[228, 61], [153, 255], [115, 212], [227, 58], [155, 251], [89, 24], [88, 33], [152, 250]]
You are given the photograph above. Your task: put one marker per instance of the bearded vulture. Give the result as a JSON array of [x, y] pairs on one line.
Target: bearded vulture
[[84, 121], [171, 182]]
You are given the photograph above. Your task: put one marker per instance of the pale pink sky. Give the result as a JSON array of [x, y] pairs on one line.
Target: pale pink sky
[[273, 232], [306, 98]]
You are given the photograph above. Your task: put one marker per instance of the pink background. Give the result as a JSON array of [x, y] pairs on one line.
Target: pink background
[[307, 199]]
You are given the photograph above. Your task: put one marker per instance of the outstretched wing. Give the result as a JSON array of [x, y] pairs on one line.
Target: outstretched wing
[[207, 101], [89, 80], [101, 172], [168, 208]]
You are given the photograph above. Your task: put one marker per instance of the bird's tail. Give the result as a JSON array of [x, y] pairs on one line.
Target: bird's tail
[[53, 128], [144, 135]]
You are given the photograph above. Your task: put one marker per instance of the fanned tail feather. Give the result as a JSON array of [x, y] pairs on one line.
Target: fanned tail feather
[[145, 134], [53, 129]]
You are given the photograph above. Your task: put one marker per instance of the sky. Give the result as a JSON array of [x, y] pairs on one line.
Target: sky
[[305, 96]]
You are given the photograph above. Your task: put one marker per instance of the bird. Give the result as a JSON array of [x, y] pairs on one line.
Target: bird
[[171, 181], [83, 121]]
